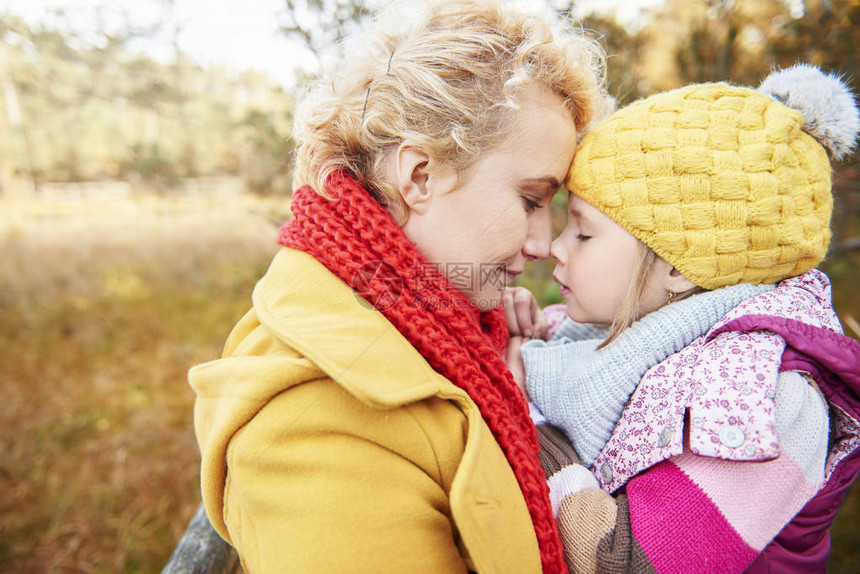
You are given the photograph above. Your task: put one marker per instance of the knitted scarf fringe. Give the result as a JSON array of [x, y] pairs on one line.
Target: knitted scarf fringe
[[356, 239]]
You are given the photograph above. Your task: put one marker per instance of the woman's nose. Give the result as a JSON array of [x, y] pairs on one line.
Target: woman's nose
[[539, 237]]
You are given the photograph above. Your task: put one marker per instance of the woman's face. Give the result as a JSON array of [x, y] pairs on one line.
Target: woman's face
[[481, 229]]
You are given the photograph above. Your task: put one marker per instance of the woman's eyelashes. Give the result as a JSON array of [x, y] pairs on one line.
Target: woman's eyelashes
[[530, 204], [583, 237]]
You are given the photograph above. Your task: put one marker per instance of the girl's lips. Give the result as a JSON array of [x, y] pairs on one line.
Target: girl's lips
[[562, 288]]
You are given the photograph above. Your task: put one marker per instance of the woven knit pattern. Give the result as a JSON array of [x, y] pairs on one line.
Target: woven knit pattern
[[459, 342], [718, 180]]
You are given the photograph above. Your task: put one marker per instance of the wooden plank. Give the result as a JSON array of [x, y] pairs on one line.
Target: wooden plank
[[202, 550]]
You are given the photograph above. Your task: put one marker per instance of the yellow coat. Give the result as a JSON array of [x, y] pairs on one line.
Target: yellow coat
[[330, 445]]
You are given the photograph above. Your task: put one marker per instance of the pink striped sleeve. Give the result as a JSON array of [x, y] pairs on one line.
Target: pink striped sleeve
[[679, 527], [757, 499]]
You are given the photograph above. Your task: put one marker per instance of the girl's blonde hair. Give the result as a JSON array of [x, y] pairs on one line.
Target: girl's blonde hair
[[630, 310], [443, 84]]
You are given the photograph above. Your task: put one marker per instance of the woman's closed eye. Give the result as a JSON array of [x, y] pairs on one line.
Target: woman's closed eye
[[583, 237], [530, 204]]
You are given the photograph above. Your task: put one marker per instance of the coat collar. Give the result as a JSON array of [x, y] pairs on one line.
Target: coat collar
[[309, 308]]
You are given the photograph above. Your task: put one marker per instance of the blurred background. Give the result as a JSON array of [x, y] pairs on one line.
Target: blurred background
[[145, 166]]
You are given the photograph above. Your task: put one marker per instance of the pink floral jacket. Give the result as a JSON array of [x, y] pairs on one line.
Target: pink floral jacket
[[679, 456]]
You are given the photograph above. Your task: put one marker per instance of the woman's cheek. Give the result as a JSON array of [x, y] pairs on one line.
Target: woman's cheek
[[517, 236]]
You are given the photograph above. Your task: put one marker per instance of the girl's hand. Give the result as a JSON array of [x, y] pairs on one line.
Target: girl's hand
[[514, 359], [525, 318]]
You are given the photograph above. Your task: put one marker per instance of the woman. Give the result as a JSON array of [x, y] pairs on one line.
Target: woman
[[338, 435]]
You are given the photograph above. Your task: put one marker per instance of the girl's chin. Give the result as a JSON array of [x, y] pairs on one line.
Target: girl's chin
[[578, 314]]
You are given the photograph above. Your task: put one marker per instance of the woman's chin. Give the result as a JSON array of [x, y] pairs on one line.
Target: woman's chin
[[486, 300]]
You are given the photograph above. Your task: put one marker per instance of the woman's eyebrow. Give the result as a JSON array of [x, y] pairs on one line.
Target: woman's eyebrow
[[547, 182]]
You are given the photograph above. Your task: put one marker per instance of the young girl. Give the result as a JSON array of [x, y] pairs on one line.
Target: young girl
[[718, 412]]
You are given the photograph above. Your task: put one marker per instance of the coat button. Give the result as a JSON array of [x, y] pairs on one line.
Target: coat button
[[665, 436], [606, 473], [732, 436]]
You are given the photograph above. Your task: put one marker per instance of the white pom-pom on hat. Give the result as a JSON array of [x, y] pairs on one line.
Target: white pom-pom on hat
[[829, 112]]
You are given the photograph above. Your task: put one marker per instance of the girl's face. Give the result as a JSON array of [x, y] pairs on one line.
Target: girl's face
[[596, 261], [481, 227]]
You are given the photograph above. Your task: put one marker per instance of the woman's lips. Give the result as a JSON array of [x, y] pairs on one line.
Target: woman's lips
[[511, 276]]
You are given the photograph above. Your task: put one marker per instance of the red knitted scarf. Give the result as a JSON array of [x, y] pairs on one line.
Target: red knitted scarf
[[357, 240]]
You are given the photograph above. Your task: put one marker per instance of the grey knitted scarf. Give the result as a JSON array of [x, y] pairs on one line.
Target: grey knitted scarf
[[583, 390]]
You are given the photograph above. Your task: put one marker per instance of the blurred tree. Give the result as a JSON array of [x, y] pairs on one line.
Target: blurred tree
[[269, 161], [742, 40], [711, 40], [624, 79], [15, 150], [92, 106], [319, 24], [827, 34], [622, 48]]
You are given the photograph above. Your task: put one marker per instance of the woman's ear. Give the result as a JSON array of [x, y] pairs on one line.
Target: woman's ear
[[419, 177], [411, 177]]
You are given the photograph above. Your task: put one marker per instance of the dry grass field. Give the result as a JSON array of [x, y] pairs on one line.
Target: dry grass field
[[104, 305]]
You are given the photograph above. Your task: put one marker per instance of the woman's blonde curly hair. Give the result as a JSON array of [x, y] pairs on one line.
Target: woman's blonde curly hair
[[444, 84]]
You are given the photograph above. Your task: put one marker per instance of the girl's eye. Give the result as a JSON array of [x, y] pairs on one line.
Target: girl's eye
[[582, 237], [530, 204]]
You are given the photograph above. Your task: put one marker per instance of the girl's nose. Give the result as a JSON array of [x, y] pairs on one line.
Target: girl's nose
[[555, 250]]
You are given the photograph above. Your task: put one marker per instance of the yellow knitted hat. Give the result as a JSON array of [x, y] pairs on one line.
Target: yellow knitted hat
[[724, 182]]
